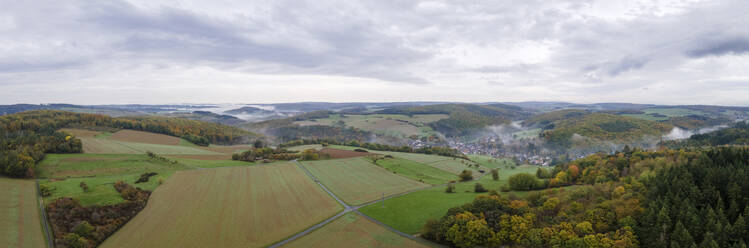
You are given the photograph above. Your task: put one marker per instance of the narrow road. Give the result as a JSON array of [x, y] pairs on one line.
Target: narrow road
[[349, 208], [346, 208]]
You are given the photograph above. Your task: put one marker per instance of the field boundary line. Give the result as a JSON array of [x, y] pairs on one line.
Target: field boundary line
[[45, 224], [405, 235], [346, 209]]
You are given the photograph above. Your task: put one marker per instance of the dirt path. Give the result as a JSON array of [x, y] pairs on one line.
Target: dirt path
[[349, 208]]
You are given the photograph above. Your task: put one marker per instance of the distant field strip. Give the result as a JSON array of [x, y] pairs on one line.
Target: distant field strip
[[353, 230], [20, 221], [145, 137], [228, 207], [107, 146], [452, 165], [357, 181], [121, 143]]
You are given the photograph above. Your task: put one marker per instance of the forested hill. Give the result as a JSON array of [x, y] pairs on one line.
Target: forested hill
[[737, 134], [578, 129], [668, 198], [464, 118], [27, 136]]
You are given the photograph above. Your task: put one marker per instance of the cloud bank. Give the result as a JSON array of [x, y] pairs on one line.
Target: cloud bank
[[87, 52]]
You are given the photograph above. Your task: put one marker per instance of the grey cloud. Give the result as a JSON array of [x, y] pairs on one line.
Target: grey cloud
[[737, 45], [417, 42], [354, 48], [626, 64]]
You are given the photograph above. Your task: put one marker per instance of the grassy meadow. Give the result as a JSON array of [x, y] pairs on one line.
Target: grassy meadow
[[357, 181], [20, 217], [410, 212], [416, 171]]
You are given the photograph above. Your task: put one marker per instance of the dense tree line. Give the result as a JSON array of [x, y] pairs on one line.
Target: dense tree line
[[667, 198], [27, 136], [592, 216], [436, 150], [700, 203], [265, 153]]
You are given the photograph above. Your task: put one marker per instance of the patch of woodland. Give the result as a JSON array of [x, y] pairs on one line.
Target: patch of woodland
[[74, 225]]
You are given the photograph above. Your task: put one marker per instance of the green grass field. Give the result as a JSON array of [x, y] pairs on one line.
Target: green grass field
[[410, 212], [357, 181], [87, 165], [416, 171], [667, 112], [101, 188], [228, 207], [455, 166], [108, 146], [20, 221], [527, 134], [353, 230], [493, 163], [101, 171]]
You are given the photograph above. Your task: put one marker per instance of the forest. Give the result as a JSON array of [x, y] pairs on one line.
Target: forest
[[27, 136], [463, 119], [668, 198]]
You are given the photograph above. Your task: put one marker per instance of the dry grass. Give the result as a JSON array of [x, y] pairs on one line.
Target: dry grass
[[228, 207]]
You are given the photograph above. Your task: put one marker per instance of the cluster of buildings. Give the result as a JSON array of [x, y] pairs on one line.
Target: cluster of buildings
[[485, 146]]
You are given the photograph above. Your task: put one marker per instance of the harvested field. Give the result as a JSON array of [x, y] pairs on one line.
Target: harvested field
[[357, 181], [337, 153], [228, 207], [417, 171], [87, 165], [145, 137], [353, 230], [108, 146], [20, 221]]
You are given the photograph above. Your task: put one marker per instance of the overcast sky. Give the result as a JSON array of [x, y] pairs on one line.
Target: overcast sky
[[223, 51]]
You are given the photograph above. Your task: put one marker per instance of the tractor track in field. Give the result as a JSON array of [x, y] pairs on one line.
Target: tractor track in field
[[348, 208], [45, 224]]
